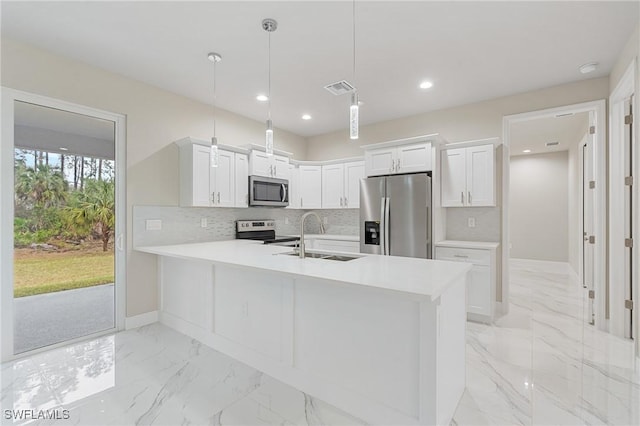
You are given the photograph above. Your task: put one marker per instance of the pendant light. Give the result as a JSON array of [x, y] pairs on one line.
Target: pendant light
[[354, 108], [215, 58], [269, 25]]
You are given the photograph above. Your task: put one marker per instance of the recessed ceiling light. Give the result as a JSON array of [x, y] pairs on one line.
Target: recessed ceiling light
[[306, 117], [262, 98], [587, 68], [426, 85], [62, 148], [526, 151]]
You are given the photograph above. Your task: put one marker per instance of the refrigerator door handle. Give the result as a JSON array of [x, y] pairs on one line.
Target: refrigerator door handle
[[386, 225], [383, 224]]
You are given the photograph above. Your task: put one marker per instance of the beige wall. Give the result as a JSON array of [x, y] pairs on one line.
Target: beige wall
[[155, 118], [539, 208], [474, 121]]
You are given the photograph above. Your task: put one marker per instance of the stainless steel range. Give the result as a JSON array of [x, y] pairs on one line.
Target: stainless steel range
[[262, 230]]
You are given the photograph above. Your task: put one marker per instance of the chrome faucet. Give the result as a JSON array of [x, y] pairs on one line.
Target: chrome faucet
[[304, 216]]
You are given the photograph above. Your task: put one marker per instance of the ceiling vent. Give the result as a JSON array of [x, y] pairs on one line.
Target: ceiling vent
[[566, 114], [552, 143], [340, 87]]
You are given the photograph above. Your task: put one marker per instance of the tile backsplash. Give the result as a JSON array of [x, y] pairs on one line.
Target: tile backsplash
[[487, 221], [183, 224]]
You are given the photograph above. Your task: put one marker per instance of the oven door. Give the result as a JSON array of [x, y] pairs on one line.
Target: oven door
[[268, 192]]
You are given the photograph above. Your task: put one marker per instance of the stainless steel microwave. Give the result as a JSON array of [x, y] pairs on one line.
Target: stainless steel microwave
[[268, 192]]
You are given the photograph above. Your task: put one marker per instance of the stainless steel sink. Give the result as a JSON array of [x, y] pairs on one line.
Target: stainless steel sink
[[327, 256]]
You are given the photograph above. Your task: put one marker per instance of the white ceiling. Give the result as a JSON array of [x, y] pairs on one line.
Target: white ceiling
[[534, 134], [470, 50]]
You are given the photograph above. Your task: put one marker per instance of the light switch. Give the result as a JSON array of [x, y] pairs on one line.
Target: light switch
[[471, 222], [153, 224]]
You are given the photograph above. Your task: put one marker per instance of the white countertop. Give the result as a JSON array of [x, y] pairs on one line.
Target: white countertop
[[330, 237], [469, 244], [420, 277]]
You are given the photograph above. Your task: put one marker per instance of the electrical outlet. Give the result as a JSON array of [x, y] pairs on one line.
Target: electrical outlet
[[203, 222], [325, 220], [286, 220], [153, 224], [471, 222], [245, 309]]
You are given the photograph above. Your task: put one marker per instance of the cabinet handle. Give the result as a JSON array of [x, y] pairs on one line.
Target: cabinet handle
[[393, 165], [346, 202], [301, 203], [469, 197], [218, 198], [460, 255], [275, 171], [462, 197], [340, 201], [398, 166], [213, 198]]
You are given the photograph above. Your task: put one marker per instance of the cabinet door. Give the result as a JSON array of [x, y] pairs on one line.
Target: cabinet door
[[310, 187], [453, 177], [223, 180], [480, 176], [353, 172], [379, 161], [414, 158], [479, 290], [333, 186], [337, 245], [280, 167], [201, 194], [260, 164], [294, 187], [242, 180]]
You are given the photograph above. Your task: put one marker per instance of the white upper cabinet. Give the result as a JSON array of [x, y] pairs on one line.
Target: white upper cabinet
[[294, 187], [407, 158], [194, 175], [275, 166], [310, 187], [204, 186], [414, 158], [353, 173], [380, 161], [242, 180], [223, 180], [332, 186], [341, 185], [468, 176]]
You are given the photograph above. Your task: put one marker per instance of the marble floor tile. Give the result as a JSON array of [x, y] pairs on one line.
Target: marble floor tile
[[541, 364]]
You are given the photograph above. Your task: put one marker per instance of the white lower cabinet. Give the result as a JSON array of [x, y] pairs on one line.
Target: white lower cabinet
[[481, 281]]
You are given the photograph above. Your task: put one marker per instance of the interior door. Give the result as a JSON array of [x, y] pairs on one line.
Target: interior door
[[628, 221], [588, 185]]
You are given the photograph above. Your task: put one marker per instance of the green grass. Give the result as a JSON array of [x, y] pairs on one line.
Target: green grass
[[49, 272]]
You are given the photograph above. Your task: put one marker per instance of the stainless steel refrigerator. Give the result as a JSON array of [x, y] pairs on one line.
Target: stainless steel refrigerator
[[395, 215]]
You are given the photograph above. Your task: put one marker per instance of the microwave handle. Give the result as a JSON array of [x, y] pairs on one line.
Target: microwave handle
[[283, 192]]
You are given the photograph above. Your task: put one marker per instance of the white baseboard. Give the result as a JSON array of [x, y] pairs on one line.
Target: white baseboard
[[140, 320], [544, 265]]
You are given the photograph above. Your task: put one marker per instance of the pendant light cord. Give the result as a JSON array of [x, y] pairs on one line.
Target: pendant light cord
[[354, 40], [214, 98], [269, 70]]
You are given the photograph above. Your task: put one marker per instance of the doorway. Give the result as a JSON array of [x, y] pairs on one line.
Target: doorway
[[62, 245], [595, 111]]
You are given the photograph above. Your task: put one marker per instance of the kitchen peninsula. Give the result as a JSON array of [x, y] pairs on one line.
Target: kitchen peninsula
[[381, 337]]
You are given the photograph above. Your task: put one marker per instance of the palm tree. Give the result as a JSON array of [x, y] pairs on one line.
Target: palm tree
[[96, 207]]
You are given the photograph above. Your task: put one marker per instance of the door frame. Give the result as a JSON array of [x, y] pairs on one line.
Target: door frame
[[598, 108], [623, 90], [9, 96]]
